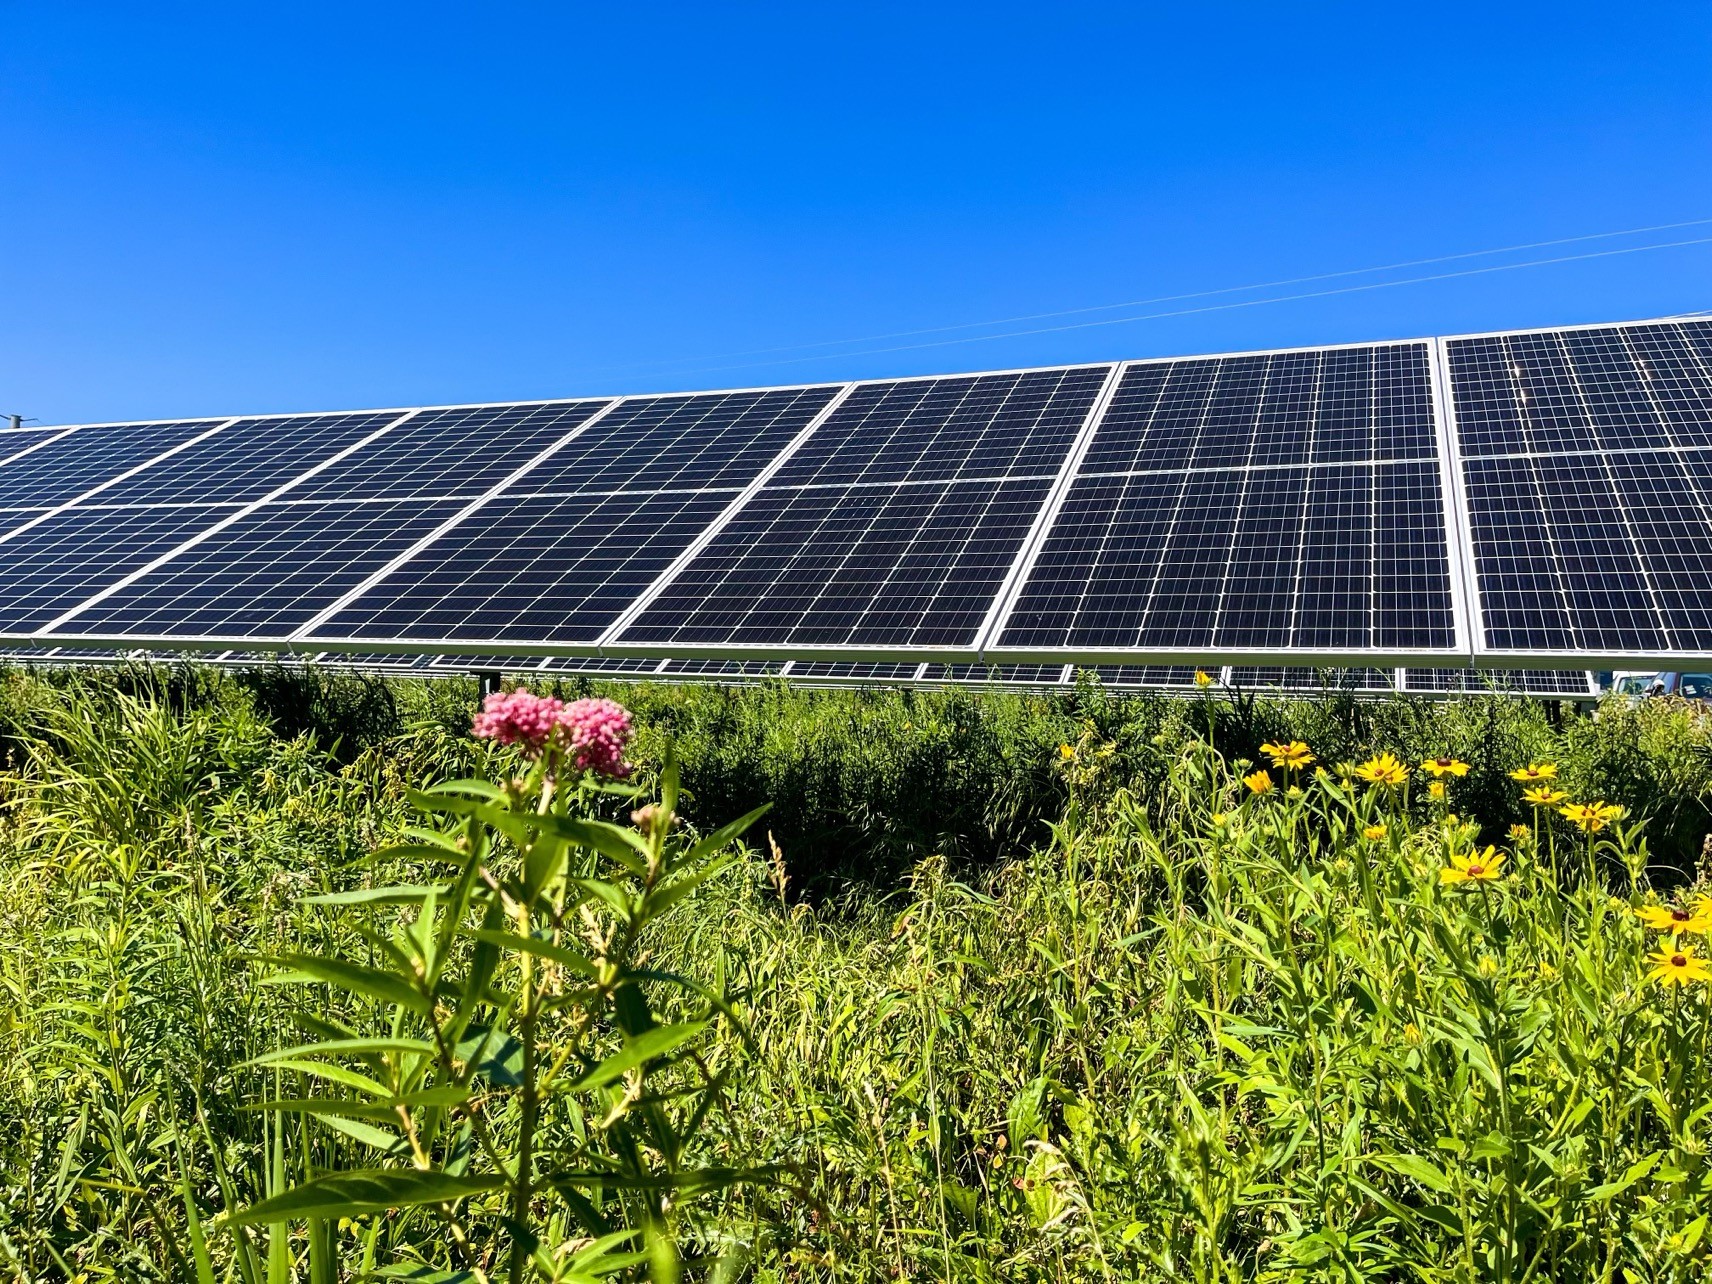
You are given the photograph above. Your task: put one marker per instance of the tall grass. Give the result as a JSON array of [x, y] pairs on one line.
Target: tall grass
[[1010, 1013]]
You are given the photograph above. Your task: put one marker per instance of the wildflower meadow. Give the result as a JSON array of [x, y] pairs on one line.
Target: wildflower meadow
[[318, 978]]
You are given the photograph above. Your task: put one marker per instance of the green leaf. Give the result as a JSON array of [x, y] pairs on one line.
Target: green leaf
[[365, 1191], [385, 986], [644, 1047], [402, 894], [1417, 1168], [531, 945], [663, 898], [625, 846], [336, 1074], [342, 1047], [724, 834], [1637, 1170], [368, 1134]]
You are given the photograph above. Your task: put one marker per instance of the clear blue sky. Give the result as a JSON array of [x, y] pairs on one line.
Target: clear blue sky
[[215, 208]]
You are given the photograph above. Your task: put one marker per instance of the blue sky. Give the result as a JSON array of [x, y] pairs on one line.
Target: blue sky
[[241, 208]]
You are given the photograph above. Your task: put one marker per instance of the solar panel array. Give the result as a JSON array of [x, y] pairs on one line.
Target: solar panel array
[[1338, 518]]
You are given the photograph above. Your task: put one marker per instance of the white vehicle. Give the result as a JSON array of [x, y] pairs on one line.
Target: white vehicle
[[1690, 686]]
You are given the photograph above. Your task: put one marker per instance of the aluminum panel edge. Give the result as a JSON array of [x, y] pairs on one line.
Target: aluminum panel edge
[[1010, 589]]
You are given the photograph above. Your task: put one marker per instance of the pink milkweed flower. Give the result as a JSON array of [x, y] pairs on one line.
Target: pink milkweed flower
[[519, 718], [593, 732], [597, 731]]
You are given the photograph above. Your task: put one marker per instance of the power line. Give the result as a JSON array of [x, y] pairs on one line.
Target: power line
[[1175, 298], [1216, 307]]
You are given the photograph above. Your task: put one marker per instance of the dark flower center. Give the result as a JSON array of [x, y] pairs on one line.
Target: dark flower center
[[1679, 960], [1680, 916], [1476, 870]]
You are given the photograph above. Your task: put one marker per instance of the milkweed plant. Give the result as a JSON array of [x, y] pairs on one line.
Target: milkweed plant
[[499, 1048]]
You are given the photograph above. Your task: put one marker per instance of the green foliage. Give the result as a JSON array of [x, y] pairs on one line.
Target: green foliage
[[998, 1014]]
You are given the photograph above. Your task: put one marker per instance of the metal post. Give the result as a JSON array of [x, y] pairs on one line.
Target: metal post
[[490, 680], [14, 421]]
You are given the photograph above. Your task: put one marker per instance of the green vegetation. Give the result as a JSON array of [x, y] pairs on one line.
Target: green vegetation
[[1007, 989]]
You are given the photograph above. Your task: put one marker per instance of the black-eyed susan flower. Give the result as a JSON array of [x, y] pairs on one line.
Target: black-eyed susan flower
[[1203, 678], [1258, 783], [1664, 918], [1373, 833], [1520, 833], [1472, 867], [1438, 791], [1290, 755], [1543, 796], [1590, 818], [1383, 770], [1066, 752], [1679, 965], [1445, 766], [1535, 772]]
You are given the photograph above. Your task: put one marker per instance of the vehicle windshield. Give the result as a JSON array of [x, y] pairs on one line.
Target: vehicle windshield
[[1634, 683], [1696, 686]]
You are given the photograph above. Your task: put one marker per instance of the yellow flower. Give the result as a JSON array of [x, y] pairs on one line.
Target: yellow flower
[[1218, 820], [1437, 790], [1590, 818], [1520, 833], [1383, 770], [1473, 867], [1445, 766], [1544, 796], [1412, 1034], [1202, 678], [1258, 783], [1292, 755], [1373, 833], [1675, 921], [1065, 751], [1535, 771], [1678, 965]]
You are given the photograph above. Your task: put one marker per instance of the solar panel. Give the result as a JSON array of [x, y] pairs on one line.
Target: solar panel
[[1284, 503], [56, 472], [246, 459], [1564, 683], [857, 672], [462, 451], [51, 567], [528, 570], [1027, 675], [558, 553], [893, 526], [265, 575], [1166, 677], [1586, 459], [1244, 677]]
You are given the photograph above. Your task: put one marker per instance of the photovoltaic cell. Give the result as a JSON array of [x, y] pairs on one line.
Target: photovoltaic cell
[[53, 566], [912, 565], [830, 671], [1587, 474], [1564, 683], [1243, 677], [1293, 558], [1030, 675], [246, 460], [1169, 677], [699, 442], [60, 472], [462, 451], [266, 574], [530, 570], [948, 429]]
